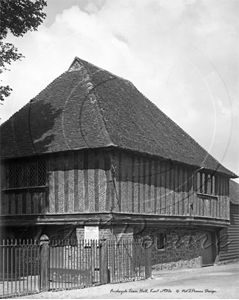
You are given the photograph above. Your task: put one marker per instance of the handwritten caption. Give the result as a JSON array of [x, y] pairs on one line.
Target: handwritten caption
[[118, 291]]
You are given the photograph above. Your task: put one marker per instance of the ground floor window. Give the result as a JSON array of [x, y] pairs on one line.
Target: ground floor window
[[160, 240]]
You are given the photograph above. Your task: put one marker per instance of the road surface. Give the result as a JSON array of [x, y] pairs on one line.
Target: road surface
[[204, 283]]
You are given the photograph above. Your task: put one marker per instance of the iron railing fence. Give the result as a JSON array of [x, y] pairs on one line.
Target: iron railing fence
[[28, 266], [81, 263], [19, 267], [126, 260]]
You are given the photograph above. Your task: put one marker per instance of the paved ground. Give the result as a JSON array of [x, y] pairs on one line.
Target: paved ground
[[205, 283]]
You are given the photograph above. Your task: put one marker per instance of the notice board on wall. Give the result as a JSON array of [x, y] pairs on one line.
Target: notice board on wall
[[91, 233]]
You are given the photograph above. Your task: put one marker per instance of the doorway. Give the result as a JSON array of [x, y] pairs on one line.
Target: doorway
[[207, 248]]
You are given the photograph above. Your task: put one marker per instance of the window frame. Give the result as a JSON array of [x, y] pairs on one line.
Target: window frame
[[206, 184], [211, 185], [18, 175], [162, 239]]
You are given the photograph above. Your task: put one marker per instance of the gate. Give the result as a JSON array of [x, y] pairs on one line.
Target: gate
[[74, 264], [78, 264]]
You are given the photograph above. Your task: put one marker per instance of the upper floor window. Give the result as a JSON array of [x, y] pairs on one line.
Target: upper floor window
[[20, 174], [206, 183], [211, 184]]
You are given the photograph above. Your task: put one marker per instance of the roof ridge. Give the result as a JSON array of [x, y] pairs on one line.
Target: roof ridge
[[103, 129], [84, 63], [115, 113], [188, 135], [102, 118]]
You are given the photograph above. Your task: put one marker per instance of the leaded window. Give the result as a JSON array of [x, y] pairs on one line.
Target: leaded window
[[20, 174]]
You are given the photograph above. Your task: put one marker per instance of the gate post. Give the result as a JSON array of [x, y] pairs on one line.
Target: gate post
[[44, 263], [104, 276], [148, 270]]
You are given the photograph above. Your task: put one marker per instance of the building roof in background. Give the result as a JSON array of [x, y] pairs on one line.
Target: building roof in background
[[234, 192], [88, 107]]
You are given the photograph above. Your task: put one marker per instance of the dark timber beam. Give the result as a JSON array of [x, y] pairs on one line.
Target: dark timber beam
[[111, 219]]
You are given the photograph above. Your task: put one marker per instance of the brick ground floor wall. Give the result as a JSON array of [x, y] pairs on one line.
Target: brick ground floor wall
[[181, 245], [181, 248]]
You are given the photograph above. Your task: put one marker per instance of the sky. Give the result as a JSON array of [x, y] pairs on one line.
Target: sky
[[183, 55]]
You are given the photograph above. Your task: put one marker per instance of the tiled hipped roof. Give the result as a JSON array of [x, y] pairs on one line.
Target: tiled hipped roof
[[87, 107]]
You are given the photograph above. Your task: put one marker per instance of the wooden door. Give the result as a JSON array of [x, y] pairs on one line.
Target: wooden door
[[207, 249]]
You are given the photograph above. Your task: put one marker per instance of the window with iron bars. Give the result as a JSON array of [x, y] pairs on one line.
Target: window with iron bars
[[20, 174]]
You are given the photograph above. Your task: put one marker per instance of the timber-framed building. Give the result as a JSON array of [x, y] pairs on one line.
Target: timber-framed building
[[91, 152]]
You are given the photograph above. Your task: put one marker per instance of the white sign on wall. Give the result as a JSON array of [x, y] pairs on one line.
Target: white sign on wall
[[91, 233]]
